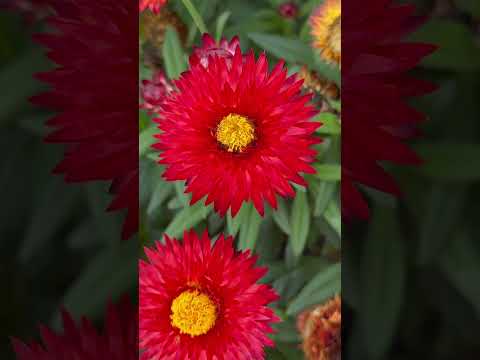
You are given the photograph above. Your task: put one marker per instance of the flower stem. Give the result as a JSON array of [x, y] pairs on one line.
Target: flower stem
[[197, 18]]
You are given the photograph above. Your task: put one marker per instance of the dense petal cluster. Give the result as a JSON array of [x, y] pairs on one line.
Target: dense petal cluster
[[326, 26], [154, 5], [375, 86], [199, 301], [95, 46], [154, 92], [118, 341], [210, 48], [236, 132], [321, 331]]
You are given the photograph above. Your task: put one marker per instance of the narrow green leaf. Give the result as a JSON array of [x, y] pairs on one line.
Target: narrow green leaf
[[328, 172], [250, 229], [333, 217], [282, 217], [292, 50], [187, 218], [173, 54], [233, 224], [324, 192], [322, 287], [300, 223], [383, 273], [330, 124], [221, 22], [450, 161], [111, 273]]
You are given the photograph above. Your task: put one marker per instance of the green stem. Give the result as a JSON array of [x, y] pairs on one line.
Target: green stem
[[197, 18]]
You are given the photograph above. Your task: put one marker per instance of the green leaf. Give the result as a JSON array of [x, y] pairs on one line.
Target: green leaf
[[461, 265], [330, 124], [333, 217], [443, 212], [383, 271], [221, 22], [111, 273], [160, 194], [324, 192], [187, 218], [328, 172], [300, 223], [322, 287], [233, 224], [470, 6], [457, 49], [282, 217], [146, 140], [249, 229], [292, 50], [50, 213], [173, 54], [450, 161]]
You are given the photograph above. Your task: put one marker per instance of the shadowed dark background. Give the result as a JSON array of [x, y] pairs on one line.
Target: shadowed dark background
[[411, 277]]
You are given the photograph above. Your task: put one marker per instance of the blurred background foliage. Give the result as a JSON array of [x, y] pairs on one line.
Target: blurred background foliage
[[410, 283]]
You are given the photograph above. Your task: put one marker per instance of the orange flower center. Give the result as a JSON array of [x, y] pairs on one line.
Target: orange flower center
[[193, 313], [235, 132]]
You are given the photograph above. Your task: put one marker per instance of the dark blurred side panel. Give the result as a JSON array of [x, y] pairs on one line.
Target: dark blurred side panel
[[411, 283], [59, 247]]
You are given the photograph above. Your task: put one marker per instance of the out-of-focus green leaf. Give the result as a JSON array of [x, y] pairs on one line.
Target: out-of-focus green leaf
[[111, 273], [450, 161], [470, 6], [249, 229], [444, 210], [456, 45], [146, 140], [461, 264], [292, 50], [328, 172], [322, 287], [330, 124], [173, 55], [221, 22], [300, 223], [53, 209], [383, 273]]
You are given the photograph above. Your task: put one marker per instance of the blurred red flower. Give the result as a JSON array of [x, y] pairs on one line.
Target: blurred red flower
[[118, 341], [93, 90], [375, 87]]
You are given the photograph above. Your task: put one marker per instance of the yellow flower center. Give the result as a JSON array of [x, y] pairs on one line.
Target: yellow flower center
[[335, 36], [193, 313], [235, 132]]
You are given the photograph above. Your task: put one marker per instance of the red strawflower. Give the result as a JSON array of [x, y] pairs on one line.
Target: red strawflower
[[154, 92], [118, 341], [95, 45], [224, 49], [154, 5], [199, 301], [375, 88], [236, 132]]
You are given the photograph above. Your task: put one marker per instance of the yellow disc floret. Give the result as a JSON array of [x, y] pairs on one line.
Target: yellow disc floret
[[327, 29], [235, 132], [193, 313]]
